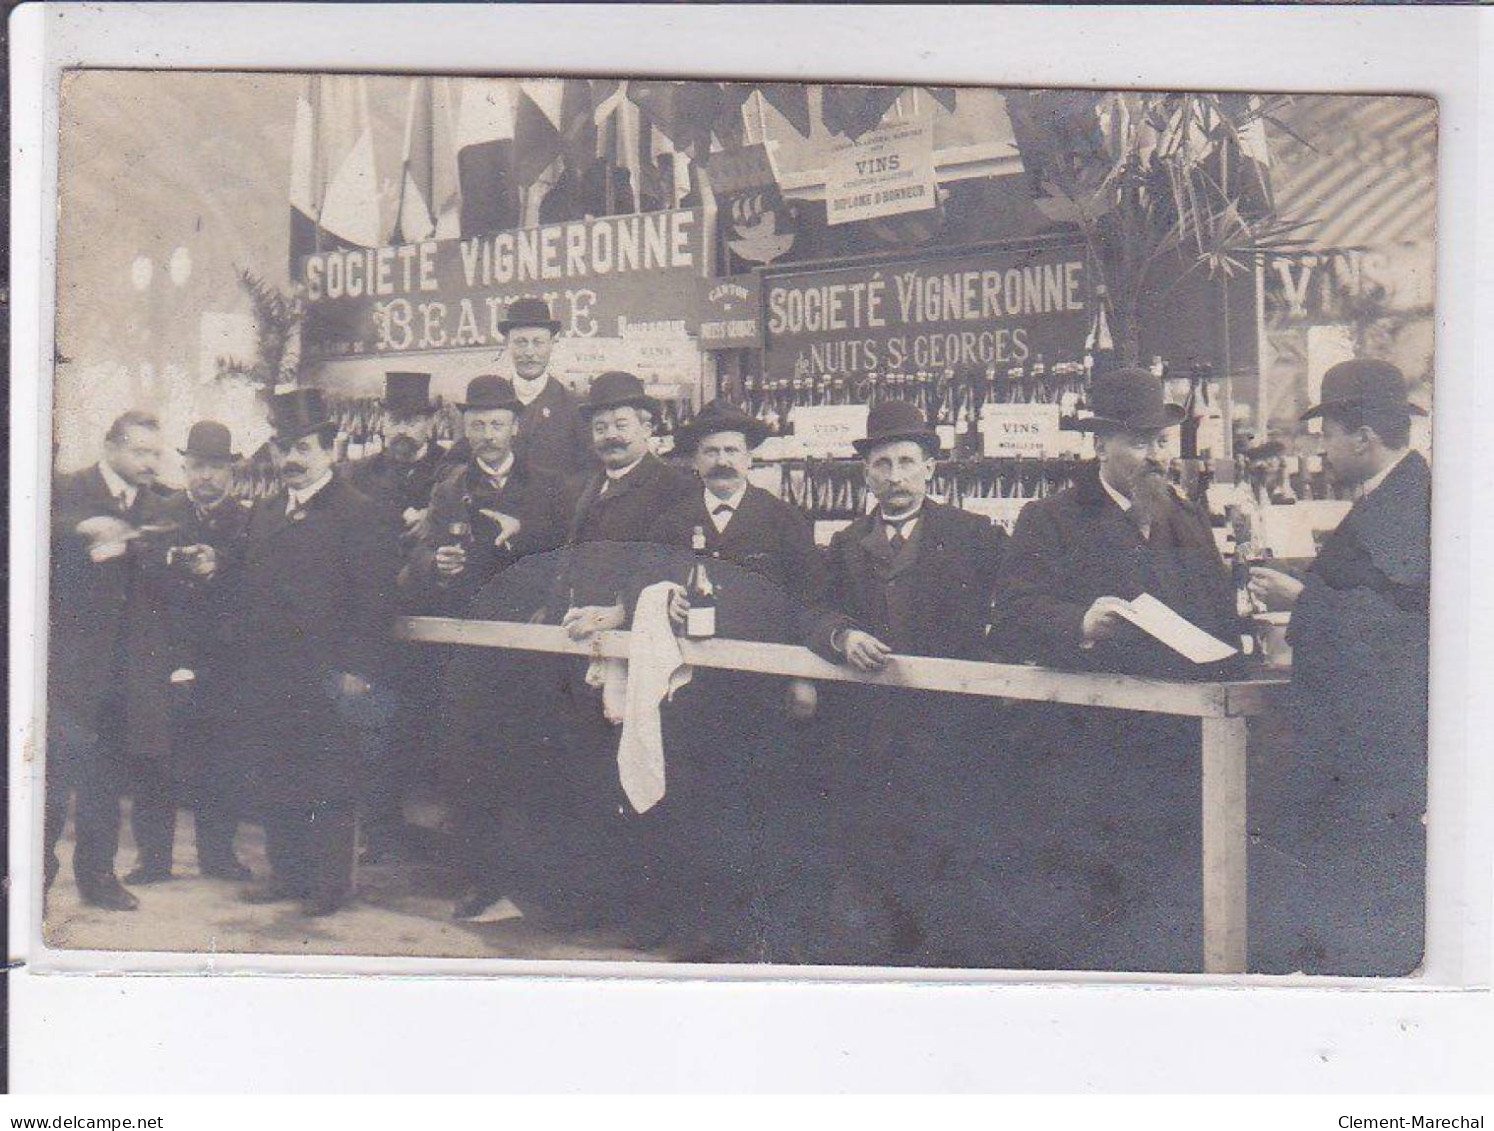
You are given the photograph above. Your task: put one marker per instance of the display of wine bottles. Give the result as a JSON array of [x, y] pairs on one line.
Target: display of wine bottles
[[946, 397], [836, 489]]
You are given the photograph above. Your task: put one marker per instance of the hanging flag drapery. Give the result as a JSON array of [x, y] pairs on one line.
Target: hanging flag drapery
[[853, 110], [485, 156], [334, 195], [552, 117], [429, 201]]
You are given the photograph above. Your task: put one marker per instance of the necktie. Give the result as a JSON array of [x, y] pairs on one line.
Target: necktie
[[897, 539]]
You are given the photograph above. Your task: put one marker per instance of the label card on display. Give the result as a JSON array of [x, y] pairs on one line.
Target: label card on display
[[1023, 430], [884, 172], [1003, 512], [829, 427]]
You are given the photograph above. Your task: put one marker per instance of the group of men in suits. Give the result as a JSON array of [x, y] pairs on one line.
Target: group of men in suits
[[839, 823]]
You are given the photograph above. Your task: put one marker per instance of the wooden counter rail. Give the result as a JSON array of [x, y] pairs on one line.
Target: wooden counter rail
[[1222, 708]]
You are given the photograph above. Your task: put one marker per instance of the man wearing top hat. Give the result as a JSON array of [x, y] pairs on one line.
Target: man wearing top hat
[[589, 846], [724, 850], [401, 476], [111, 654], [485, 519], [913, 577], [312, 625], [1105, 804], [202, 567], [1340, 884], [552, 428], [399, 480]]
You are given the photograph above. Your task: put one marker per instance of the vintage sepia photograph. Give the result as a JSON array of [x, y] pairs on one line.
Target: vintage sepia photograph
[[740, 523]]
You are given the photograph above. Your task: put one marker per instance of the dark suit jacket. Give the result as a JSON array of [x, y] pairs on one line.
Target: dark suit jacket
[[538, 499], [610, 530], [201, 606], [1349, 813], [553, 435], [395, 486], [316, 601], [1076, 546], [930, 599], [111, 637], [770, 570]]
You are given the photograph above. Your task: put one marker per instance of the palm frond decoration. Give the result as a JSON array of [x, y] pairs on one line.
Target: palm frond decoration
[[278, 318], [1152, 177]]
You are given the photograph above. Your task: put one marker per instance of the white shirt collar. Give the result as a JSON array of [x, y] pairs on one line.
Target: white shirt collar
[[116, 484], [528, 388], [903, 524], [1120, 500], [614, 476], [1379, 477], [734, 501], [499, 472], [298, 499]]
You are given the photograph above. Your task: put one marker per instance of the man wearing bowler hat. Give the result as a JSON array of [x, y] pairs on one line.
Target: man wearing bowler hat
[[552, 429], [312, 626], [1340, 885], [724, 853], [913, 577], [202, 567], [592, 845], [487, 520], [1105, 804]]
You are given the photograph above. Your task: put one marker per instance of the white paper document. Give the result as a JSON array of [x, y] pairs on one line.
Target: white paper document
[[1181, 635]]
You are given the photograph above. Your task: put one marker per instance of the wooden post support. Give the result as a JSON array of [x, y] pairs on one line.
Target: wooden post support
[[1225, 845], [1222, 708]]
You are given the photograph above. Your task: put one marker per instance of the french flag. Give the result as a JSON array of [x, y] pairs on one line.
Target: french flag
[[334, 197], [429, 197], [489, 190]]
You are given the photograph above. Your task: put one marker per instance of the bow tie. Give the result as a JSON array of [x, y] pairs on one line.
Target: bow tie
[[723, 508]]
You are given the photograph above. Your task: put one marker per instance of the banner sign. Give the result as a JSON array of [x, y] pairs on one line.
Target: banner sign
[[884, 172], [1001, 307], [728, 313], [602, 279]]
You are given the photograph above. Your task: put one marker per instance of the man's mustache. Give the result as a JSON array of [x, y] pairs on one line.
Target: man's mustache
[[294, 468], [614, 445], [721, 473]]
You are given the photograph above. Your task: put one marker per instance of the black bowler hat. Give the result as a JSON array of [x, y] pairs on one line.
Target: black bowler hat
[[718, 416], [1130, 400], [617, 389], [297, 413], [892, 421], [407, 394], [1373, 387], [528, 312], [490, 392], [210, 440]]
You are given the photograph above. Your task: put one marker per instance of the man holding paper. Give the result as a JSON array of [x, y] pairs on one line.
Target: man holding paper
[[1118, 574]]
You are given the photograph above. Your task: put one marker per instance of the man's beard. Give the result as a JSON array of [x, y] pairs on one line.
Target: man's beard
[[1152, 495], [206, 498], [404, 448]]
